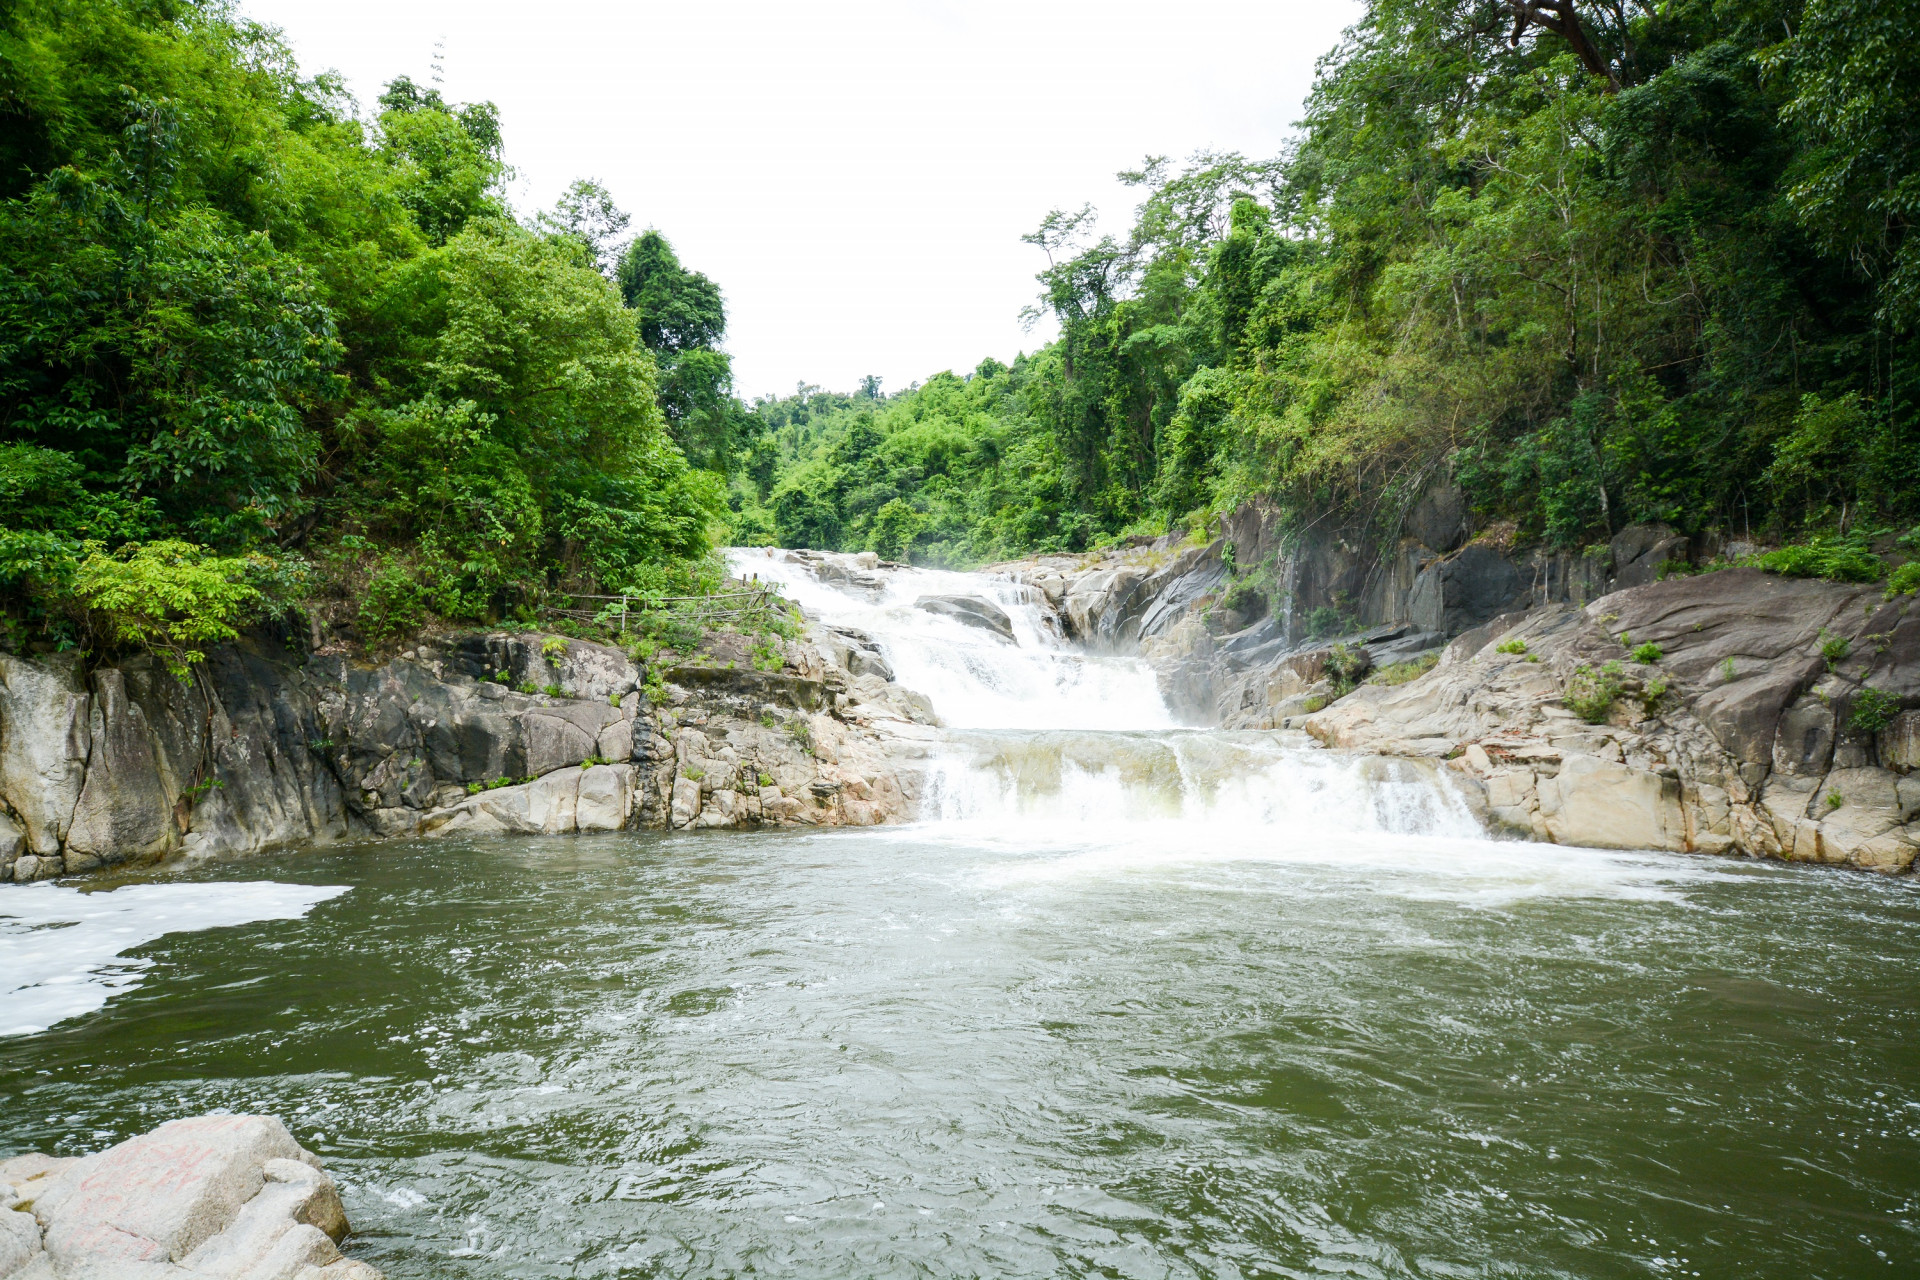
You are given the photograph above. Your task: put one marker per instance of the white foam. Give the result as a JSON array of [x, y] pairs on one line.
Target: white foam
[[1084, 776], [975, 679], [63, 951]]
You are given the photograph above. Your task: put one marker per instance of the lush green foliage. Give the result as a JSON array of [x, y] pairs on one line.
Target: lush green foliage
[[168, 596], [242, 323], [1664, 271]]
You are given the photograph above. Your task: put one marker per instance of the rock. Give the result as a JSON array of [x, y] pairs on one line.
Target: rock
[[30, 867], [1898, 745], [44, 731], [221, 1197], [971, 611], [13, 843], [1640, 549], [686, 802], [1441, 519], [1605, 805], [557, 737], [605, 798], [1803, 740], [1463, 590], [125, 808]]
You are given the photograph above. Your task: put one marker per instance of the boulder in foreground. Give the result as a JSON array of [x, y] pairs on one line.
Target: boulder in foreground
[[208, 1198]]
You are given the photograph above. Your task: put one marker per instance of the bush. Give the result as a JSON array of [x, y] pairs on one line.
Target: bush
[[1648, 653], [1872, 711], [1905, 580], [395, 603], [1591, 694], [1838, 559], [1511, 646], [1833, 648], [1328, 620], [1403, 672], [169, 597], [1346, 666]]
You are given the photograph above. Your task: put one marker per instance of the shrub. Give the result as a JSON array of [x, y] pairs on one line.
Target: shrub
[[1905, 580], [554, 647], [1648, 653], [168, 597], [1591, 694], [1833, 648], [1839, 559], [555, 691], [1346, 665], [1511, 646], [1328, 620], [1403, 672], [1653, 694], [394, 603], [1728, 672], [1835, 799], [1873, 711]]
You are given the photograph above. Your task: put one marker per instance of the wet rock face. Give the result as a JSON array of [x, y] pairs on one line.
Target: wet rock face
[[213, 1197]]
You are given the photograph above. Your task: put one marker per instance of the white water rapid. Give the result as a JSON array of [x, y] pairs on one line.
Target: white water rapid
[[1050, 746]]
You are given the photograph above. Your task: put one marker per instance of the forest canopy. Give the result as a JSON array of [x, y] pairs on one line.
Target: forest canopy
[[256, 339], [265, 349], [1595, 262]]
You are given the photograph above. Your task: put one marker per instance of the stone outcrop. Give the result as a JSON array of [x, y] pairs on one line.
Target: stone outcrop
[[208, 1198], [970, 611], [487, 733], [1741, 737]]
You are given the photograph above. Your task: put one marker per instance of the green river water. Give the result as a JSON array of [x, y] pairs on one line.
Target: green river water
[[922, 1052]]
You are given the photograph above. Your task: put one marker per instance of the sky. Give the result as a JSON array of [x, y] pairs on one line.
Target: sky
[[856, 177]]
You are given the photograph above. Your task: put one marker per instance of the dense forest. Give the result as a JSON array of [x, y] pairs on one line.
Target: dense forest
[[1596, 262], [263, 349], [266, 351]]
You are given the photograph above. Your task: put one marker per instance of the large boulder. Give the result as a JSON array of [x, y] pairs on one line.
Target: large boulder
[[220, 1197], [970, 611]]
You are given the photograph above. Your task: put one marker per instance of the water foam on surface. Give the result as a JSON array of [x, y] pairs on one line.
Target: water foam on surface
[[63, 951]]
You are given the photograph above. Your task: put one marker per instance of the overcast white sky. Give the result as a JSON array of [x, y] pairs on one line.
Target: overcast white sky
[[855, 176]]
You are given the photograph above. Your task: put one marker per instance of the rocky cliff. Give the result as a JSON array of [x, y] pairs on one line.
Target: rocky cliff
[[1780, 717], [263, 747]]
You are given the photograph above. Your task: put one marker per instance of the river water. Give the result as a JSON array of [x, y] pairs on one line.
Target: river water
[[1132, 1001]]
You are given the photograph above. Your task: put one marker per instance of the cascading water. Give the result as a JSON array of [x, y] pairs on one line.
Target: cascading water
[[1048, 744]]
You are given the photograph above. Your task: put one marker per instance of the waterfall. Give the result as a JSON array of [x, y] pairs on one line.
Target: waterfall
[[1058, 745]]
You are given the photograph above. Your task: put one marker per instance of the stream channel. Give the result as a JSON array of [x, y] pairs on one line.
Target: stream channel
[[1131, 1001]]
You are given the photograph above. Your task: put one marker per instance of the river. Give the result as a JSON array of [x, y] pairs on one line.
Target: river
[[1132, 1001]]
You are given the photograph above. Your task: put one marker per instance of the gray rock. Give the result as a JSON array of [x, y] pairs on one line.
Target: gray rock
[[686, 802], [1640, 549], [1463, 590], [44, 743], [1441, 519], [605, 798], [31, 867], [971, 611], [125, 808]]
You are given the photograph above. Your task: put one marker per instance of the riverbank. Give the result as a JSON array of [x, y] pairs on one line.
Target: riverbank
[[1620, 701], [481, 733]]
